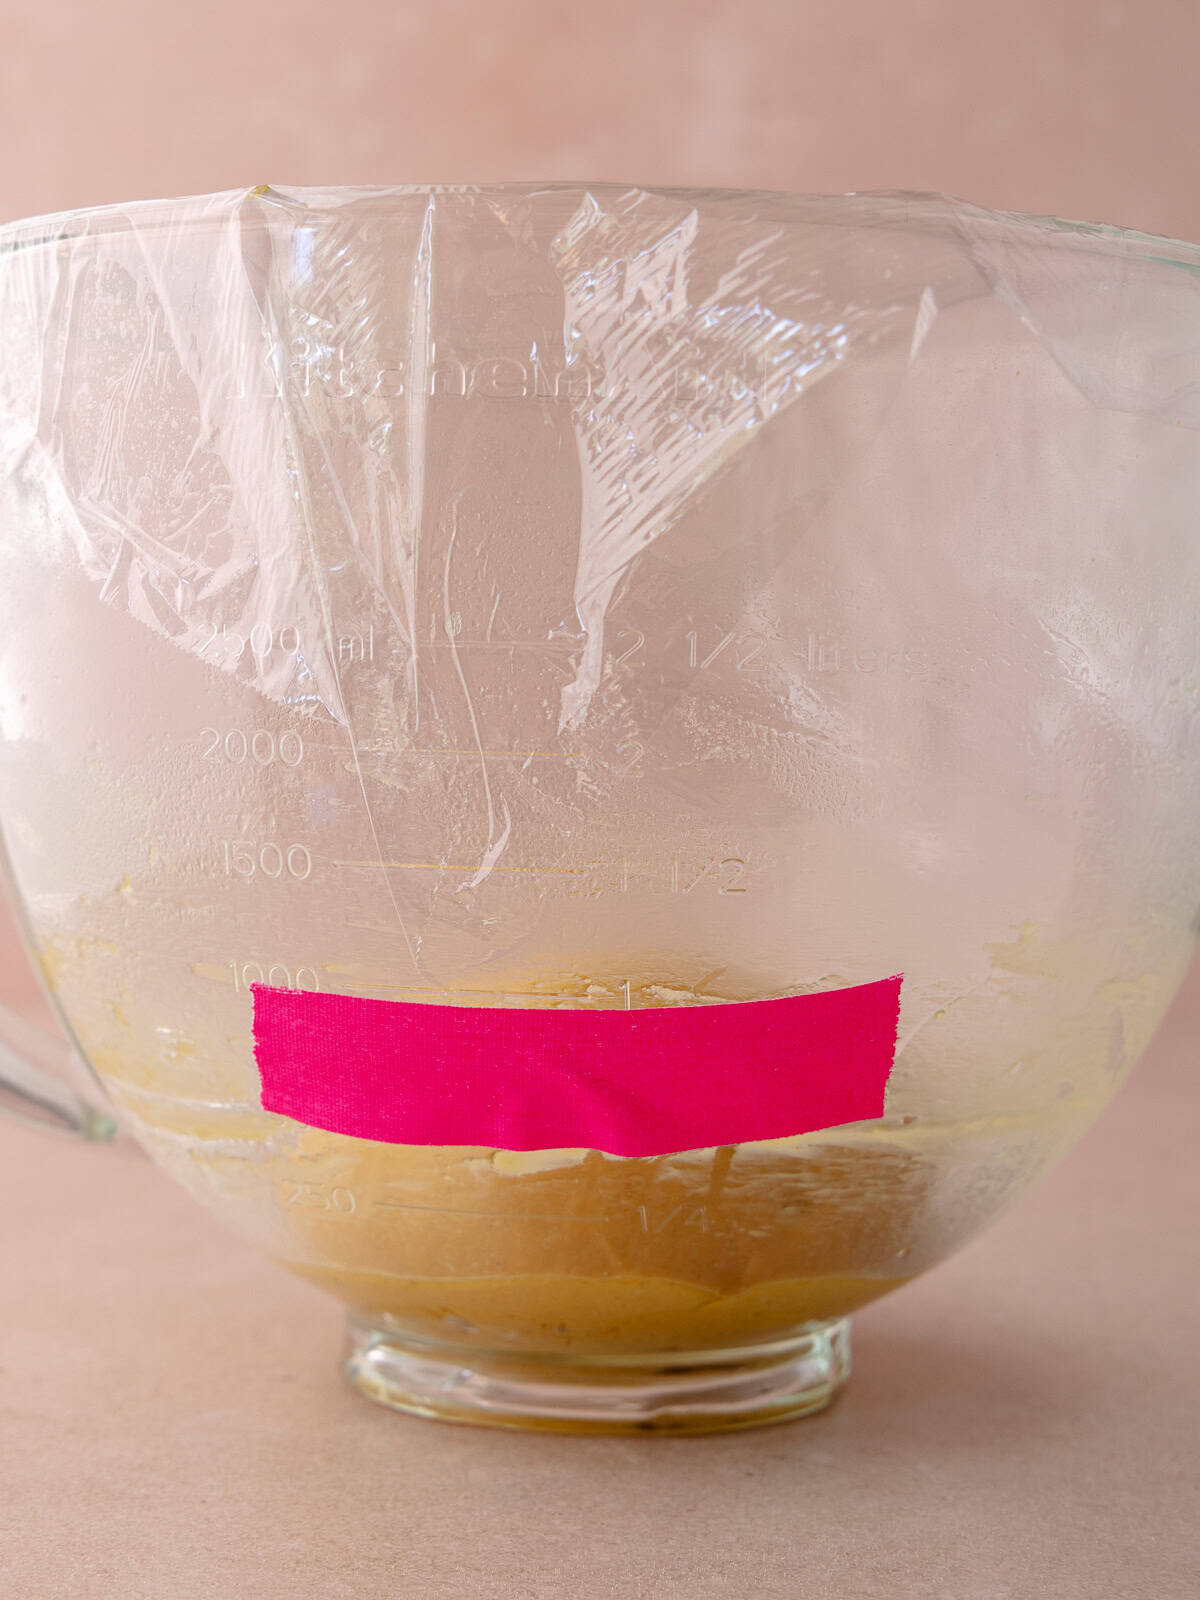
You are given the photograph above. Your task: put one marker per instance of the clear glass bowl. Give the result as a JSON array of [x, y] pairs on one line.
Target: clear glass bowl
[[581, 596]]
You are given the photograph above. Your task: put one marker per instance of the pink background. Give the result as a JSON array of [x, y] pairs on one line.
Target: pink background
[[1081, 108], [1086, 108], [1022, 1422]]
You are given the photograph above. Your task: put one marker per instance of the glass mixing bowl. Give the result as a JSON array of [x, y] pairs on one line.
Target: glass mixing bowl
[[586, 599]]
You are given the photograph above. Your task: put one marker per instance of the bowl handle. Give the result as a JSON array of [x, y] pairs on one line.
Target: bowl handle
[[36, 1072]]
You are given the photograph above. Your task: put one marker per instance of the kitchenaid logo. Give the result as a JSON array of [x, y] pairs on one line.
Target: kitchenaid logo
[[313, 369], [453, 371]]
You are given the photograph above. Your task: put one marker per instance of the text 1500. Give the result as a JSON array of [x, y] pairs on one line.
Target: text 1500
[[245, 859]]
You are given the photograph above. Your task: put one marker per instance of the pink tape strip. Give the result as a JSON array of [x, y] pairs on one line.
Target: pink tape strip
[[633, 1083]]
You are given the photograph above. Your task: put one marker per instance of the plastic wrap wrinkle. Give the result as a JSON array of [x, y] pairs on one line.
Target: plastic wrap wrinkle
[[668, 380], [1100, 338], [640, 459]]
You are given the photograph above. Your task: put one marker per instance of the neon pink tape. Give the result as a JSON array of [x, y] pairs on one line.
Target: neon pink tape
[[633, 1083]]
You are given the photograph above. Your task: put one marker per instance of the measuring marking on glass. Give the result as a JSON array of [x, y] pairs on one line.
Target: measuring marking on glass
[[497, 1216], [555, 646], [443, 750], [629, 1082], [442, 866], [500, 996]]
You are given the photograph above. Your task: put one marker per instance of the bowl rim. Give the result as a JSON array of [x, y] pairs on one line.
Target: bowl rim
[[911, 210]]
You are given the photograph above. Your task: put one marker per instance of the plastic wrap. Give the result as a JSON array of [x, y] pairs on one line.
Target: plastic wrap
[[276, 370]]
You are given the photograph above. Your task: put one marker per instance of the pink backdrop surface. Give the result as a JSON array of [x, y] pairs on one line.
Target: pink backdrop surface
[[1081, 108], [1023, 1421]]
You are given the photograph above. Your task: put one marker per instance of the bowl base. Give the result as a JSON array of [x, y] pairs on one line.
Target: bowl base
[[672, 1393]]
